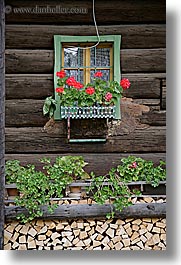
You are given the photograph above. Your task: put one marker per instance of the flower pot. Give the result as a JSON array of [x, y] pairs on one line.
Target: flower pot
[[75, 192], [11, 190]]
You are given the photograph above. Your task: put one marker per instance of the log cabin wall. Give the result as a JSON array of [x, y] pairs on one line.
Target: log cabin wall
[[29, 80]]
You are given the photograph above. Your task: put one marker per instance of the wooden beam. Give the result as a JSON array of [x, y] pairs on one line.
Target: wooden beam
[[41, 36], [122, 12], [28, 112], [2, 120], [99, 163], [25, 112], [154, 118], [36, 140], [152, 210], [41, 61], [40, 86]]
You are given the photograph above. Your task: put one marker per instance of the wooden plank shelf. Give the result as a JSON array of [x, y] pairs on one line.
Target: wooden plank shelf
[[152, 210], [88, 183], [146, 189], [11, 200]]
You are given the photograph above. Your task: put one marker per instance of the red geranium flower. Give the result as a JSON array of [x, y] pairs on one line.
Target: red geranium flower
[[61, 74], [59, 89], [125, 83], [90, 90], [71, 81], [108, 96], [98, 74], [78, 85]]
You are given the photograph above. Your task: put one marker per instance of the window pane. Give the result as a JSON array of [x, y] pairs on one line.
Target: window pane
[[106, 74], [73, 57], [100, 57], [77, 74]]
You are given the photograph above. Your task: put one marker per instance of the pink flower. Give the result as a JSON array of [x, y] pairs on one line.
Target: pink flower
[[108, 96], [59, 89], [61, 74], [90, 90], [98, 74], [134, 165], [125, 83]]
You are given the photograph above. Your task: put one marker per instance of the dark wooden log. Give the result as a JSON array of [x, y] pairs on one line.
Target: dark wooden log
[[154, 104], [154, 118], [2, 120], [143, 60], [25, 113], [140, 11], [39, 86], [152, 210], [41, 61], [41, 36], [28, 112], [36, 140], [29, 61], [99, 163], [29, 86]]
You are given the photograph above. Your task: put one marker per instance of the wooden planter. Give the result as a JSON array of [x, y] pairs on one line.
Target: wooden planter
[[145, 188], [11, 190], [75, 190]]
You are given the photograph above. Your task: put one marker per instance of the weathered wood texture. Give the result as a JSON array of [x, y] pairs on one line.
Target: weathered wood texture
[[140, 11], [99, 163], [2, 119], [41, 36], [164, 94], [39, 86], [24, 112], [154, 118], [41, 61], [29, 80], [152, 210], [36, 140], [28, 112]]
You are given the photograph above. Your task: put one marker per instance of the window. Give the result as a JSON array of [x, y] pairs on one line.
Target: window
[[83, 63]]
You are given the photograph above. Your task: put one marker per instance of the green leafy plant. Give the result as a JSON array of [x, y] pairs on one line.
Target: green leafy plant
[[138, 169], [35, 191], [12, 171], [37, 188], [69, 168], [73, 93], [49, 106], [113, 187]]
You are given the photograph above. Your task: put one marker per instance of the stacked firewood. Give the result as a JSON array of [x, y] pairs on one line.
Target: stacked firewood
[[87, 234]]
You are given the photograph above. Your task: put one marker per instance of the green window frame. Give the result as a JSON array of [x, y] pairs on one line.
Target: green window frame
[[60, 40]]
